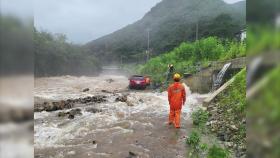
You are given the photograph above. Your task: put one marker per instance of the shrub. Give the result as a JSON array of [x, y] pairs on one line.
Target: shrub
[[194, 139], [203, 147], [200, 117], [217, 152]]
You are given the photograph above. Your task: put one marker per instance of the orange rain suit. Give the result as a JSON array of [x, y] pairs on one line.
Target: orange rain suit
[[176, 98]]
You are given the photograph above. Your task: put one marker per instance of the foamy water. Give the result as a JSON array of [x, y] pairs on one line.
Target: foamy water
[[116, 119]]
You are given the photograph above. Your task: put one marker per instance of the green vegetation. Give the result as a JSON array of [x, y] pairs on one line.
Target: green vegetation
[[217, 152], [264, 113], [262, 39], [170, 23], [55, 56], [198, 149], [231, 105], [200, 117], [235, 95], [188, 56], [16, 45], [194, 139], [194, 142]]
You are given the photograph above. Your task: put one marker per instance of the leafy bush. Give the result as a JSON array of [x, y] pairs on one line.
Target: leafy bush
[[203, 146], [194, 139], [217, 152], [200, 117]]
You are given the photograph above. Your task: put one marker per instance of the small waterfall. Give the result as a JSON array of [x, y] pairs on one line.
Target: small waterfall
[[218, 81]]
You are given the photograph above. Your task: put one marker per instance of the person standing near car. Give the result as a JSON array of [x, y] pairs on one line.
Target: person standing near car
[[169, 73], [176, 99]]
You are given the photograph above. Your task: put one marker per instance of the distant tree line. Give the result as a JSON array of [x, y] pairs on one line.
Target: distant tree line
[[55, 56]]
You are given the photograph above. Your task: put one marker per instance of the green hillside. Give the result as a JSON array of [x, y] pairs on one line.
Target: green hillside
[[171, 23]]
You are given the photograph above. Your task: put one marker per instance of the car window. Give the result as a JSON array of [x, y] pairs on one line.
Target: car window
[[137, 78]]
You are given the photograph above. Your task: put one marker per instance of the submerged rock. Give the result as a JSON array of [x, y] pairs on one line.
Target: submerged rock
[[71, 114], [131, 154], [61, 114], [85, 90], [106, 91], [122, 98], [93, 110], [75, 112]]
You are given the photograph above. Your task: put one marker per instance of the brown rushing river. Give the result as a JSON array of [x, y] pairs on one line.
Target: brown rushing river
[[117, 131]]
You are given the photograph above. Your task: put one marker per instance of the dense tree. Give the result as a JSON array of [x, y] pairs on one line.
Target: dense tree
[[55, 56]]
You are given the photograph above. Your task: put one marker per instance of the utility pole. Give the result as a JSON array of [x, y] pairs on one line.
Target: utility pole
[[196, 35], [148, 46]]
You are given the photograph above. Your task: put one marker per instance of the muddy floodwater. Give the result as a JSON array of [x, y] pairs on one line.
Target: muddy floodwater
[[117, 130]]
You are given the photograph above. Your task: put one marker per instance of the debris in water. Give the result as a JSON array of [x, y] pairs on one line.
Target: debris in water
[[122, 98], [85, 90], [129, 103], [93, 110], [131, 154], [105, 91], [94, 142], [68, 104], [53, 106], [71, 116], [110, 80], [61, 114], [75, 112]]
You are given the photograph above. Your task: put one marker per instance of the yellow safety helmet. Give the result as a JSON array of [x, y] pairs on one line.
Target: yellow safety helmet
[[177, 76]]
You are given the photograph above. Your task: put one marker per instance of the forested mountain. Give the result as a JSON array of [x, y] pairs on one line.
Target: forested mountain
[[169, 23]]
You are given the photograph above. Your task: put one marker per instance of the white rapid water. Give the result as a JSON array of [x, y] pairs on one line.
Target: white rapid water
[[220, 76], [117, 121]]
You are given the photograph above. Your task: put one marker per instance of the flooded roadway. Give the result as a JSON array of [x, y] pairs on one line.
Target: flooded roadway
[[118, 131]]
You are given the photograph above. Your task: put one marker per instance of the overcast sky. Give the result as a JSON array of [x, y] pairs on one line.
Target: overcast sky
[[82, 20]]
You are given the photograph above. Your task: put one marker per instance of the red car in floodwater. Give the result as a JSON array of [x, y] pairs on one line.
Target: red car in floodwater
[[138, 82]]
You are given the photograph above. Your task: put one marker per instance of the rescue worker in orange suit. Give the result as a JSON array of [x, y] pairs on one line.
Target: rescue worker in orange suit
[[176, 98]]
